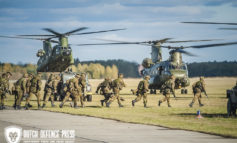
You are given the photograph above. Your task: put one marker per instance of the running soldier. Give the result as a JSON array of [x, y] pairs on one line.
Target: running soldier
[[20, 90], [105, 90], [49, 91], [198, 88], [117, 85], [142, 90], [72, 90], [166, 89], [35, 87], [4, 88]]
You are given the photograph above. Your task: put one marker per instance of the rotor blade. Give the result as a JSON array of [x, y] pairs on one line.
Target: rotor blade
[[42, 39], [212, 45], [16, 37], [98, 31], [35, 35], [192, 41], [76, 30], [102, 44], [227, 28], [210, 23], [185, 52], [52, 31]]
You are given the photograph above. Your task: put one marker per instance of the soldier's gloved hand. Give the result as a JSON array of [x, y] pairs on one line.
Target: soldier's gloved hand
[[96, 92]]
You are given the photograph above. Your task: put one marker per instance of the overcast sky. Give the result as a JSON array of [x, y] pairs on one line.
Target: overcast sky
[[143, 19]]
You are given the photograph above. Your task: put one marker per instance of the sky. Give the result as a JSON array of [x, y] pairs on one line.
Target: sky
[[144, 20]]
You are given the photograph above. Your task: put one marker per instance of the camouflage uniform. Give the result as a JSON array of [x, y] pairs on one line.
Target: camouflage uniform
[[104, 88], [166, 89], [142, 89], [49, 91], [117, 85], [20, 90], [4, 88], [82, 86], [198, 88], [71, 89], [35, 87]]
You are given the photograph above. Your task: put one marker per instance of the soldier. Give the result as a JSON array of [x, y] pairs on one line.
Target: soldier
[[117, 85], [166, 89], [4, 88], [198, 88], [57, 86], [35, 87], [49, 91], [72, 89], [82, 86], [20, 90], [28, 83], [142, 89], [104, 88]]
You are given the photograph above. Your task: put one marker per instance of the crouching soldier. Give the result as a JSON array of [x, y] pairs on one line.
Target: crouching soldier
[[166, 89], [142, 90], [35, 87]]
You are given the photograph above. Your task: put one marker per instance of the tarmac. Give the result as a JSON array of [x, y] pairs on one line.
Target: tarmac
[[97, 130]]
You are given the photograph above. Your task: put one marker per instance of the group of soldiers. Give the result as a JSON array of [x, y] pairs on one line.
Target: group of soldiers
[[110, 90], [30, 85]]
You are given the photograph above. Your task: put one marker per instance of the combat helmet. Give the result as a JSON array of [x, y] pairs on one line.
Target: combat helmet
[[201, 78], [25, 75], [120, 75], [147, 77]]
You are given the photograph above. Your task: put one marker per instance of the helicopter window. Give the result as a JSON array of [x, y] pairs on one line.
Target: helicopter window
[[160, 69], [57, 50], [183, 67]]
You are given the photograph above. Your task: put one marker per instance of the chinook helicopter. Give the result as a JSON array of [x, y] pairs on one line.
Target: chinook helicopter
[[159, 70], [59, 57]]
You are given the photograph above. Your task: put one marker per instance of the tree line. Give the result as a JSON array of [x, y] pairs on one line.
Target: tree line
[[111, 68]]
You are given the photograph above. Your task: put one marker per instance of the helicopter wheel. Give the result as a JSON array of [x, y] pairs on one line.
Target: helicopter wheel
[[182, 91], [185, 91]]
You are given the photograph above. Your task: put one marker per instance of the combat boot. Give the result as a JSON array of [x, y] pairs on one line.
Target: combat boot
[[43, 105], [120, 105], [159, 103], [75, 106], [169, 106], [3, 107], [200, 105], [61, 105], [133, 103], [191, 105], [102, 102], [26, 106], [145, 106], [52, 104], [108, 104], [39, 107], [18, 107], [29, 105]]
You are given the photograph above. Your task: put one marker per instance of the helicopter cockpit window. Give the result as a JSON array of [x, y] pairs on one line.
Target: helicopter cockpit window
[[57, 50], [160, 69], [183, 67], [171, 67]]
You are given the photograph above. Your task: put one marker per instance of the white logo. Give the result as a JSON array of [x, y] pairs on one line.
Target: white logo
[[13, 134]]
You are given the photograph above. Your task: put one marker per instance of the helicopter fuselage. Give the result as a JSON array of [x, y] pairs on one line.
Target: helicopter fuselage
[[59, 59], [161, 71]]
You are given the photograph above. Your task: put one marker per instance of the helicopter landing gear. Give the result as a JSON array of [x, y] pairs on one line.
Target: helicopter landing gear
[[152, 91], [184, 91]]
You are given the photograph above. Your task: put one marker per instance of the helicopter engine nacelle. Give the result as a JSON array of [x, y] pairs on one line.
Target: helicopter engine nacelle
[[147, 63], [40, 53]]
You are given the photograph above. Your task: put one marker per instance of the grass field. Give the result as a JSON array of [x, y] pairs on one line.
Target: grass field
[[180, 116]]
